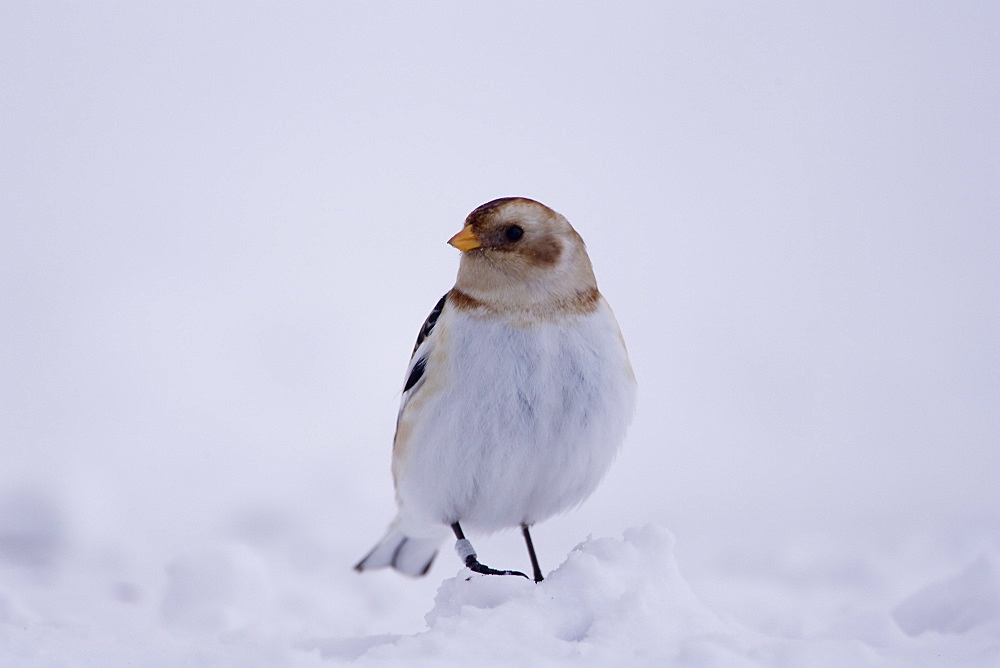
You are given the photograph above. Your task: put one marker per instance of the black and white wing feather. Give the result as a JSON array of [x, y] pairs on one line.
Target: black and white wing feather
[[432, 319], [421, 351]]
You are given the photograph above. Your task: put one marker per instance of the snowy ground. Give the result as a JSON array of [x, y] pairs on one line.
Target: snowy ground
[[281, 600], [221, 225]]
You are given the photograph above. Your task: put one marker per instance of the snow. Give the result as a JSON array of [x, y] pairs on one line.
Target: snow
[[221, 227], [956, 605], [610, 600]]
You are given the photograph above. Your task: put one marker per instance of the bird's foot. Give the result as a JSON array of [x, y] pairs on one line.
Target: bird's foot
[[468, 555], [473, 565]]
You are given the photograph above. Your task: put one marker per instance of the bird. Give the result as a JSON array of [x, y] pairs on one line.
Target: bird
[[517, 396]]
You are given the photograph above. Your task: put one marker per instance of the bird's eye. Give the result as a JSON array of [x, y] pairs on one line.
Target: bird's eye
[[514, 233]]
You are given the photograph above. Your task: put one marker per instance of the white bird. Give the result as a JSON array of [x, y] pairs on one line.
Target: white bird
[[518, 394]]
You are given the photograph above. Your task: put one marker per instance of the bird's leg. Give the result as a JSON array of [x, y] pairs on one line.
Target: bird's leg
[[531, 553], [468, 555]]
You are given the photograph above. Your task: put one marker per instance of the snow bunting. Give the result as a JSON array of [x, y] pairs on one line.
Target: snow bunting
[[518, 394]]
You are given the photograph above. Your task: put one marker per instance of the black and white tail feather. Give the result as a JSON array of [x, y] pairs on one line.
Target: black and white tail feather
[[410, 556]]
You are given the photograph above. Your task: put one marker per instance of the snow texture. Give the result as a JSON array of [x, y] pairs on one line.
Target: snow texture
[[612, 600]]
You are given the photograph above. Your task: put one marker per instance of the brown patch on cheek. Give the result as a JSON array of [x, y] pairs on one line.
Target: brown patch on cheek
[[543, 252]]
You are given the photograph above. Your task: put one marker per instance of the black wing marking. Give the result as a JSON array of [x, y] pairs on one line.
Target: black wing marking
[[417, 372], [430, 322]]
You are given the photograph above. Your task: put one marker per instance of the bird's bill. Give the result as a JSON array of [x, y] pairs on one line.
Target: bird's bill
[[465, 240]]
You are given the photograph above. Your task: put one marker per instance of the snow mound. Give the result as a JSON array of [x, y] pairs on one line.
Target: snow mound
[[612, 602], [956, 605]]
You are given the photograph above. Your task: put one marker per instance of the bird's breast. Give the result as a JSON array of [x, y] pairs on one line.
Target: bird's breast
[[545, 380], [519, 422]]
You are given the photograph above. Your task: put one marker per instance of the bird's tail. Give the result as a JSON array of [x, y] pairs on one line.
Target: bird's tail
[[409, 555]]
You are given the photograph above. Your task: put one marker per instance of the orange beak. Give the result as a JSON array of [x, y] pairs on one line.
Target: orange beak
[[465, 240]]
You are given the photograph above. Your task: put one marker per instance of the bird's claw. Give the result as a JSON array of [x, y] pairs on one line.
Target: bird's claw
[[473, 565]]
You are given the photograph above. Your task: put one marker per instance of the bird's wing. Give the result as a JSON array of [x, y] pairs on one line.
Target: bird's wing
[[421, 351], [428, 326], [426, 342]]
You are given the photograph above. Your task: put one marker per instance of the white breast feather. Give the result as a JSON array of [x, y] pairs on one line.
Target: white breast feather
[[511, 424]]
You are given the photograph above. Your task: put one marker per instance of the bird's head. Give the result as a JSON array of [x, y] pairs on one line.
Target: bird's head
[[521, 252]]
